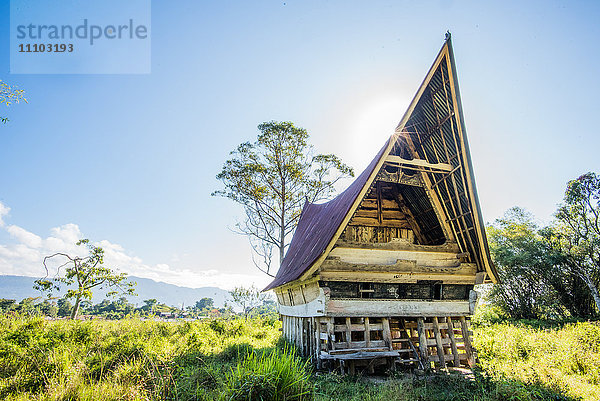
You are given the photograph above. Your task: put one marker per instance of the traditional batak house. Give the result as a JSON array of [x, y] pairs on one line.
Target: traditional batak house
[[384, 273]]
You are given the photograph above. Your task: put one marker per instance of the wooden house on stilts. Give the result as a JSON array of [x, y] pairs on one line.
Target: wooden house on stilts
[[384, 273]]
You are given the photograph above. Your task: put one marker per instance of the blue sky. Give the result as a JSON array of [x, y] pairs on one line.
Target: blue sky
[[131, 159]]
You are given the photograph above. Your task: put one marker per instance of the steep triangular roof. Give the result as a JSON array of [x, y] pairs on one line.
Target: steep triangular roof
[[432, 130]]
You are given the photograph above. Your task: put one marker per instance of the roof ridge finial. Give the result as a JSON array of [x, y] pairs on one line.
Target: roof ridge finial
[[448, 35]]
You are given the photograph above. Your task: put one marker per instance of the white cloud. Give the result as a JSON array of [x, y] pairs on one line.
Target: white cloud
[[24, 236], [25, 257], [3, 212]]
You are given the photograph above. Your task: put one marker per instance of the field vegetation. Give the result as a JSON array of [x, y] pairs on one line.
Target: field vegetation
[[245, 359]]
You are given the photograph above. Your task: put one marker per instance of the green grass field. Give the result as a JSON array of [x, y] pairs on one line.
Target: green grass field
[[246, 360]]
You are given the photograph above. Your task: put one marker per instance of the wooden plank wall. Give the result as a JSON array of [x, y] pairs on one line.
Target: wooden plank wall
[[303, 333], [367, 234]]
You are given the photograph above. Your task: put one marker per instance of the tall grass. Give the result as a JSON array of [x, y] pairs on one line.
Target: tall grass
[[273, 375], [559, 356], [246, 360], [123, 360]]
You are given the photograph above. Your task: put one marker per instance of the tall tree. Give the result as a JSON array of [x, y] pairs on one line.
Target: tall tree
[[248, 298], [536, 279], [578, 230], [150, 305], [82, 275], [272, 178], [204, 303], [524, 264], [64, 307], [8, 95]]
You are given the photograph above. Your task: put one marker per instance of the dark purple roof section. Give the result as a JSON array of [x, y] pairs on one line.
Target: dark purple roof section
[[317, 226]]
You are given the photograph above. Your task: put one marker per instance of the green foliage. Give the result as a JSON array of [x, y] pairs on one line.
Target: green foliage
[[563, 356], [113, 310], [245, 359], [577, 232], [481, 387], [523, 263], [486, 315], [6, 304], [126, 359], [82, 275], [248, 298], [8, 95], [536, 281], [272, 178], [205, 303], [274, 375]]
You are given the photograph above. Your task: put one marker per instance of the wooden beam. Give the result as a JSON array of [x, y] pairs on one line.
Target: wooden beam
[[348, 331], [387, 333], [453, 341], [372, 222], [385, 307], [392, 257], [423, 343], [412, 222], [449, 267], [467, 341], [445, 176], [419, 163], [438, 343], [399, 278], [311, 309], [330, 334], [400, 177], [397, 244], [379, 211]]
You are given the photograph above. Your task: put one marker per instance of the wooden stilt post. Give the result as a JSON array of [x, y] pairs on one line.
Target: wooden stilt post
[[453, 341], [438, 343], [317, 334], [330, 334], [467, 341], [387, 333], [348, 331], [423, 342]]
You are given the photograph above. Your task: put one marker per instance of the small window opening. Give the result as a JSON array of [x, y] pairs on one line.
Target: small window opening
[[376, 335], [358, 336], [365, 290], [437, 291]]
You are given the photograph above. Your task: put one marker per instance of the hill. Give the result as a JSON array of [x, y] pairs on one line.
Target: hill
[[19, 287]]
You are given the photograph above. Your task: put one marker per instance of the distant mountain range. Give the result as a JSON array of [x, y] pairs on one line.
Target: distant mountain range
[[19, 287]]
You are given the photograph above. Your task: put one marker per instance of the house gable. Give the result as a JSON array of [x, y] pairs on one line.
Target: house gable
[[419, 190]]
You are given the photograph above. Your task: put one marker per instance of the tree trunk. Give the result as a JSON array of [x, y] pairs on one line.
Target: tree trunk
[[281, 243], [593, 289], [76, 308]]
